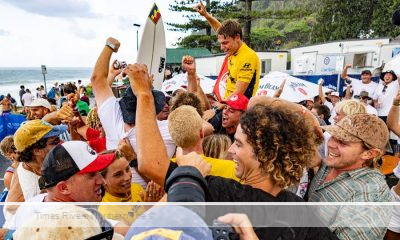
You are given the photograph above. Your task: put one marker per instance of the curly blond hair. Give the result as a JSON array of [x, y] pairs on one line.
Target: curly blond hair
[[350, 107], [282, 141], [92, 119]]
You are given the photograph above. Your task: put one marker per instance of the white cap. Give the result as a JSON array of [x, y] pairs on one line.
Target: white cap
[[335, 94], [40, 102]]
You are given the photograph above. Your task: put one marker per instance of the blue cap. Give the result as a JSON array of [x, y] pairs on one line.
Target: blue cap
[[56, 130], [169, 222]]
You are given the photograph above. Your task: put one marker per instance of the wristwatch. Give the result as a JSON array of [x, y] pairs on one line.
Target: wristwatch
[[111, 45]]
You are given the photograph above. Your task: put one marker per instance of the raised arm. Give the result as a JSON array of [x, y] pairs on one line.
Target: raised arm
[[152, 155], [348, 93], [321, 94], [100, 86], [393, 116], [278, 92], [189, 64], [214, 23], [344, 71]]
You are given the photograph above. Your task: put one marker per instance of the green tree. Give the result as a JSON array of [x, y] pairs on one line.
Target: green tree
[[381, 23], [354, 19]]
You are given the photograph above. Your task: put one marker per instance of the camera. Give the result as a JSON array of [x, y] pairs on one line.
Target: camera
[[120, 65], [223, 231], [117, 65]]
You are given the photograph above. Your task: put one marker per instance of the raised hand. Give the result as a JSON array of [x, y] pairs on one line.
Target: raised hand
[[189, 65], [200, 8], [139, 78], [153, 192], [115, 42], [125, 147], [66, 113]]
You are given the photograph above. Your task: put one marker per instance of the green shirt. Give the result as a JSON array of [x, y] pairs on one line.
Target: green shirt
[[83, 108], [349, 221]]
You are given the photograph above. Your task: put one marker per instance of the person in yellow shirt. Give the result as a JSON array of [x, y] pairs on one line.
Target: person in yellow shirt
[[185, 127], [118, 188], [243, 63]]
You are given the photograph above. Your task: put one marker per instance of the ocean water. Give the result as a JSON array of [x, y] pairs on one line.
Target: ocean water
[[31, 78]]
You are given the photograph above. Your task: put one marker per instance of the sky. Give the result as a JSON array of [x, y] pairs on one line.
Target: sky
[[72, 33]]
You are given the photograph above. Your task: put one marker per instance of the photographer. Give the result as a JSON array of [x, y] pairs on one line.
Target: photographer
[[187, 184]]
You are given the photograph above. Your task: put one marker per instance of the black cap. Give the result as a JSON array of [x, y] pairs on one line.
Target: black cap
[[57, 166], [389, 71], [128, 104], [67, 159], [366, 72]]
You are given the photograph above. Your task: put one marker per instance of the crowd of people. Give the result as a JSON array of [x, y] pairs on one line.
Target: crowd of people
[[186, 146]]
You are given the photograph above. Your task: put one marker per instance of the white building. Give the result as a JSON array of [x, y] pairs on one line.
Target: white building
[[330, 58], [269, 61]]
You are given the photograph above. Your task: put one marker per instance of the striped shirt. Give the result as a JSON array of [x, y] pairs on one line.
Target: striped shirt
[[360, 185]]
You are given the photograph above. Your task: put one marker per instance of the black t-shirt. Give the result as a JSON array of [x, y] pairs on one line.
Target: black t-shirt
[[21, 92], [227, 190]]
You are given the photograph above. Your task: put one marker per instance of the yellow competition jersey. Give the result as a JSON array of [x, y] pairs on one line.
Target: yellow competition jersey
[[219, 167], [243, 66], [123, 213]]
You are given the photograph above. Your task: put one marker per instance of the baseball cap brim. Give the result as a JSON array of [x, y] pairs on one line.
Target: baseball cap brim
[[232, 105], [101, 162], [56, 130], [40, 103], [340, 133]]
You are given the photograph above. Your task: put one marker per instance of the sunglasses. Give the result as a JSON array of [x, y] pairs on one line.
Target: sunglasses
[[384, 89], [107, 231]]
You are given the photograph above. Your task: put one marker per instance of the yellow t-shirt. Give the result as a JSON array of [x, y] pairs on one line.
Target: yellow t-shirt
[[123, 213], [243, 66], [220, 167]]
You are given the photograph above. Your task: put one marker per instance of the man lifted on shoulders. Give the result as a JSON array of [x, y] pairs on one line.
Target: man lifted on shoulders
[[243, 63]]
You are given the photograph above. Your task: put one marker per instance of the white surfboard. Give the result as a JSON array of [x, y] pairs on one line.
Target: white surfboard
[[152, 48]]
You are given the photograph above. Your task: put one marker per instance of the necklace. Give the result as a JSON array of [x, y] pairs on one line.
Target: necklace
[[31, 169]]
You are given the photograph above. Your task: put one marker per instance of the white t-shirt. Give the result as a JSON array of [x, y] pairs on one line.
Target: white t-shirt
[[371, 110], [332, 109], [29, 182], [358, 86], [27, 98], [327, 136], [385, 98], [113, 124]]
